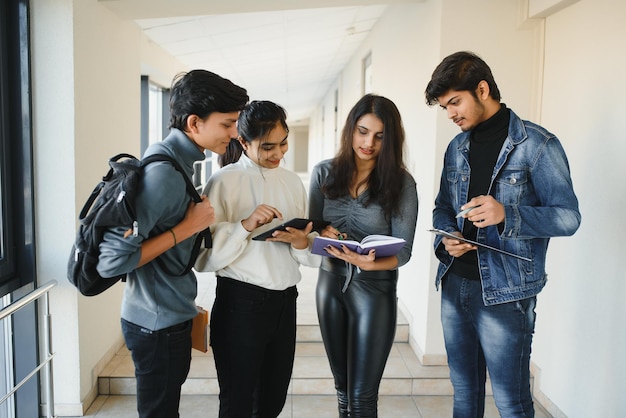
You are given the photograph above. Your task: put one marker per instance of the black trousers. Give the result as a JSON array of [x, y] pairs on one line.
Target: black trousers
[[253, 337], [162, 359], [358, 329]]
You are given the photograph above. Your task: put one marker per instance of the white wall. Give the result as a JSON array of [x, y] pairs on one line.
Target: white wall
[[87, 66], [322, 136], [53, 132], [414, 47], [565, 72], [580, 338]]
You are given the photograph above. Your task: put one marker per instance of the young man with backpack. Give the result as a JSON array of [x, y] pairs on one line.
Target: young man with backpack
[[159, 298]]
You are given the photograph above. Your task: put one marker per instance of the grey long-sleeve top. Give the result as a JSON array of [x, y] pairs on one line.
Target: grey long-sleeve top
[[350, 216]]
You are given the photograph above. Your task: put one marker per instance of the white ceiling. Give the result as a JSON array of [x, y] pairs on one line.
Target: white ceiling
[[290, 56]]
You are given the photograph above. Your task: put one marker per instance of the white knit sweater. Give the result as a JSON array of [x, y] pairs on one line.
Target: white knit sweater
[[235, 191]]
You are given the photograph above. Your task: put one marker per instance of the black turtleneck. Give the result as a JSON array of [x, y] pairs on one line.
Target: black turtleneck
[[486, 141]]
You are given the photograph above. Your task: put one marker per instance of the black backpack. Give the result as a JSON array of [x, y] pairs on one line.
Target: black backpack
[[112, 203]]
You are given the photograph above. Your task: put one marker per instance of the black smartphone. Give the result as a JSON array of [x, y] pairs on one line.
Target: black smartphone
[[298, 223]]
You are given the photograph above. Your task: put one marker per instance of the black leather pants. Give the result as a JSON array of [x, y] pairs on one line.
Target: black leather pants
[[358, 328]]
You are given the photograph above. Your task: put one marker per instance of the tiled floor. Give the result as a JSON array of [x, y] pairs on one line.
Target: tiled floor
[[298, 406], [408, 388]]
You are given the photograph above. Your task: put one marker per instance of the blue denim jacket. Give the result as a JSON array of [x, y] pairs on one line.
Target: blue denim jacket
[[531, 179]]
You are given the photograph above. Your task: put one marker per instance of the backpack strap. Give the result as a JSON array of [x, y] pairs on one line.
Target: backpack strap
[[191, 190]]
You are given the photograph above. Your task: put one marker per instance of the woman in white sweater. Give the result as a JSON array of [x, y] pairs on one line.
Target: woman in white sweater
[[253, 320]]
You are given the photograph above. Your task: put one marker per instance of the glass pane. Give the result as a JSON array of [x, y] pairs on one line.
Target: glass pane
[[6, 372], [155, 114], [2, 219]]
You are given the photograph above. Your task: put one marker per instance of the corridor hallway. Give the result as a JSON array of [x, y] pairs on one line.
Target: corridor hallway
[[408, 389]]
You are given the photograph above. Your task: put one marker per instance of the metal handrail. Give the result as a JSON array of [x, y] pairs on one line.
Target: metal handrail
[[46, 364]]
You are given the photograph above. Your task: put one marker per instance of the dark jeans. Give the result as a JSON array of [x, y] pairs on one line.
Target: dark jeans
[[162, 359], [253, 336], [358, 328], [479, 338]]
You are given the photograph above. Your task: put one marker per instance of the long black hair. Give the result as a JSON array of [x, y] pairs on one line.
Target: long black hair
[[386, 180]]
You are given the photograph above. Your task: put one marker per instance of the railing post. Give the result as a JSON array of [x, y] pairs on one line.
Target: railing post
[[45, 351], [47, 346]]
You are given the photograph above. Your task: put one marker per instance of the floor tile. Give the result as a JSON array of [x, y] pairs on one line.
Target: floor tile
[[113, 407], [311, 367], [314, 406], [198, 406], [312, 349], [202, 367], [397, 407], [434, 406]]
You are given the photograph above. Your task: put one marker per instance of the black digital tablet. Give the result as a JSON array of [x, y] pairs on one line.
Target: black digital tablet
[[298, 223]]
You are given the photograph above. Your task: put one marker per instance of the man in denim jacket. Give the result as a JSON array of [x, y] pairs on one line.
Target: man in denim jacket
[[513, 178]]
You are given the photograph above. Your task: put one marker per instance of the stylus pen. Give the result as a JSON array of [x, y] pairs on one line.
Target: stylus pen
[[464, 211]]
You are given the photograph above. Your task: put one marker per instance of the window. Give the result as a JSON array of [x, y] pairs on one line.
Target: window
[[7, 259], [155, 127], [155, 119], [17, 226], [154, 113], [6, 362], [17, 261]]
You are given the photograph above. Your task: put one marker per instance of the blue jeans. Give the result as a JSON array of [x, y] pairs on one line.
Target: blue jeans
[[479, 338], [162, 359]]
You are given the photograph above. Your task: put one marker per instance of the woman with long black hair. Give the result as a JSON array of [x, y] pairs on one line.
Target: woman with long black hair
[[364, 190]]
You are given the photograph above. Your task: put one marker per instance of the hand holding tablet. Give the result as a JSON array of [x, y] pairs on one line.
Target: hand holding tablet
[[298, 223]]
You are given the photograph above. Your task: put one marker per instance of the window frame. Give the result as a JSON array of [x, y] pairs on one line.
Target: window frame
[[17, 251], [18, 271]]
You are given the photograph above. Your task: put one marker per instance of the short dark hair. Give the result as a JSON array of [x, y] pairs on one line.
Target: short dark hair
[[460, 71], [200, 93]]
